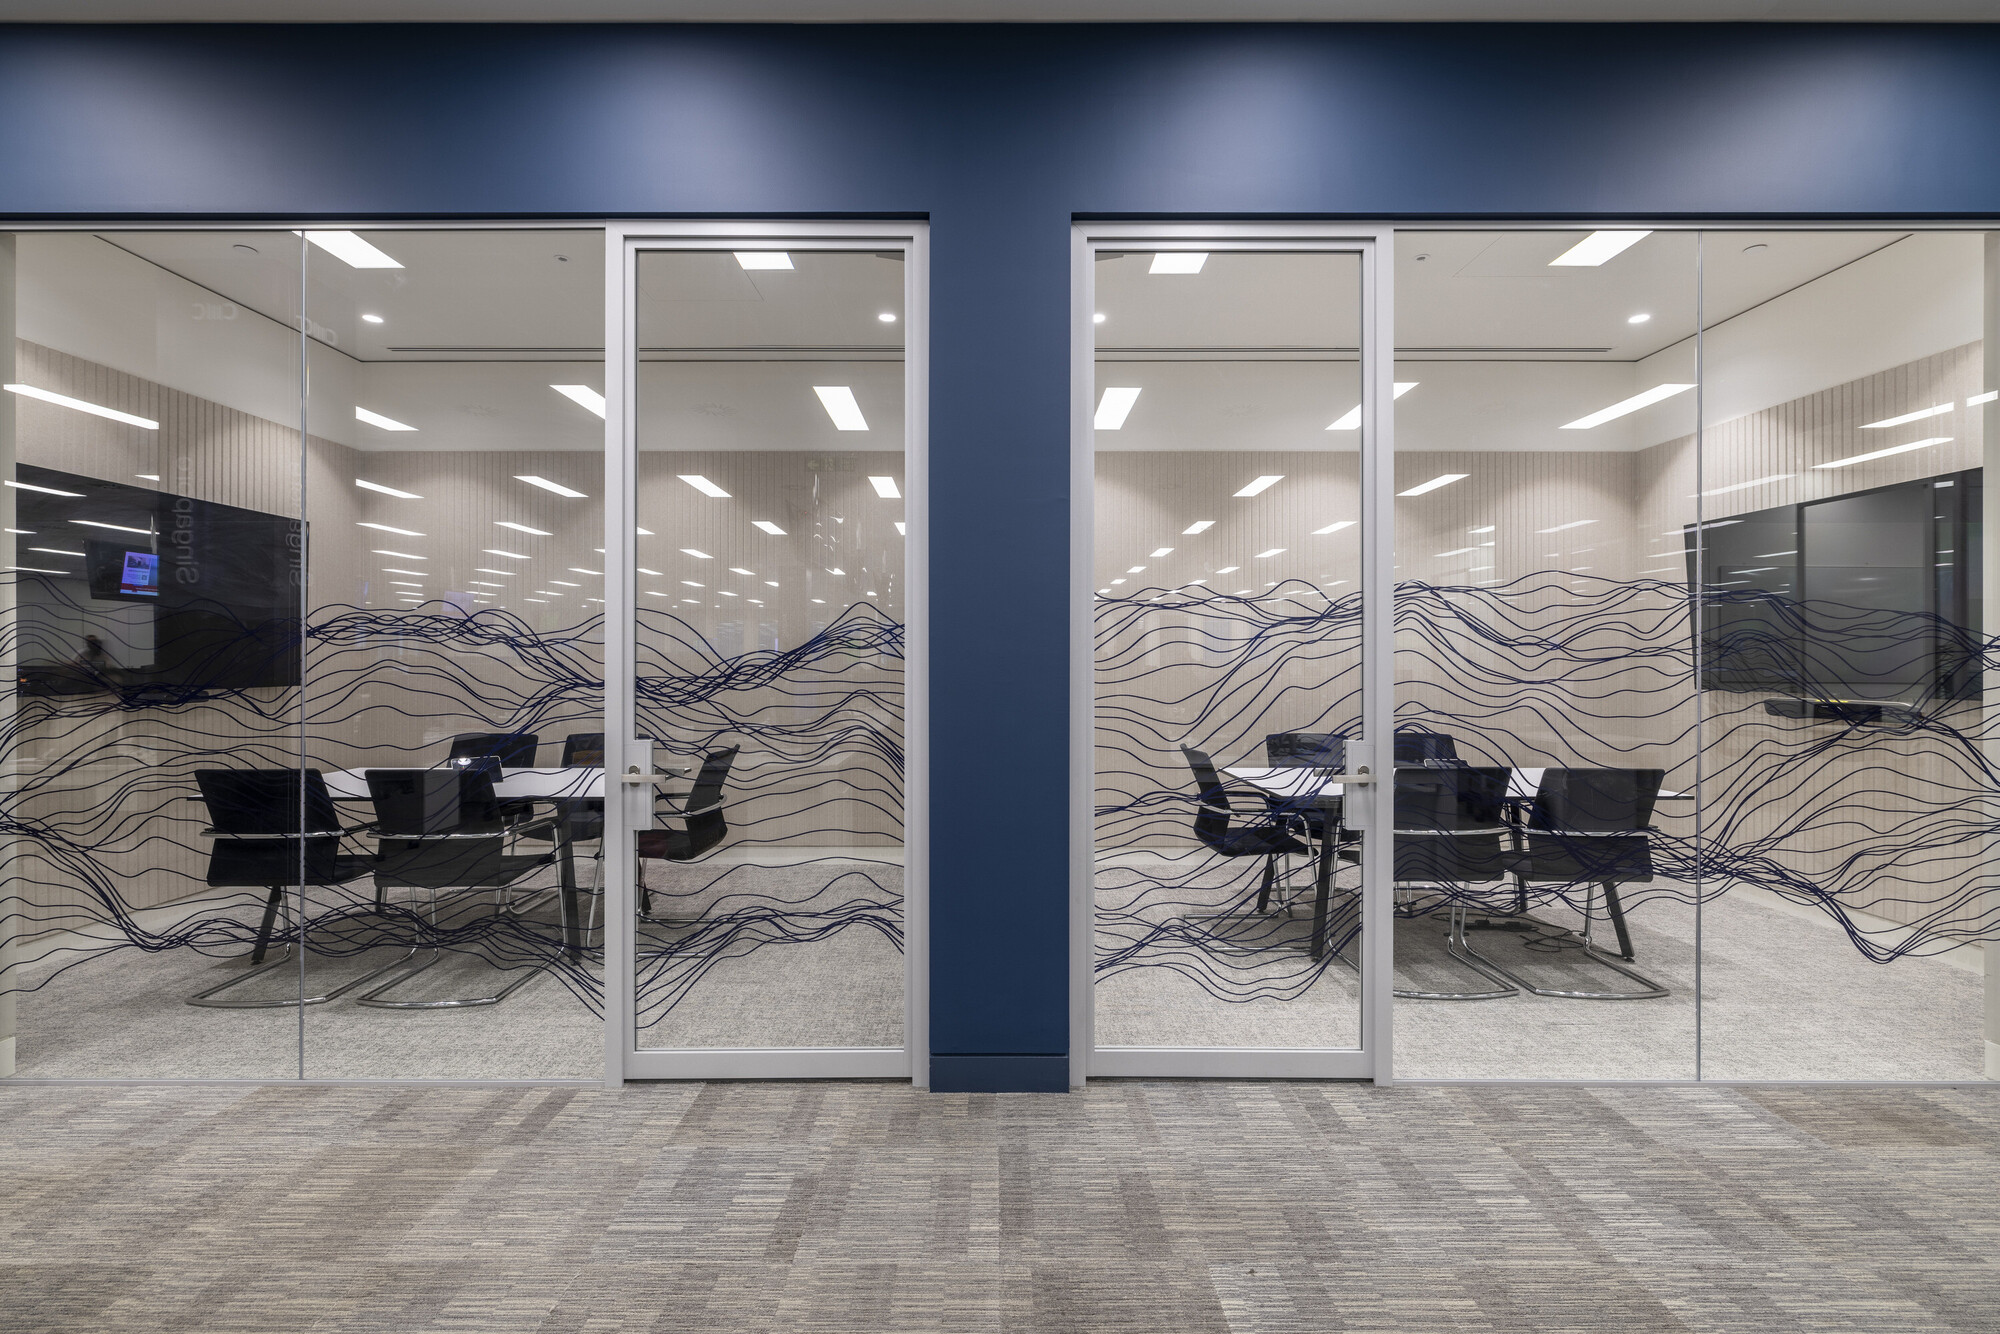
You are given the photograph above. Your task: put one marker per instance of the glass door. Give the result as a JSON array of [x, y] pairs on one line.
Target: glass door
[[761, 679], [1232, 416]]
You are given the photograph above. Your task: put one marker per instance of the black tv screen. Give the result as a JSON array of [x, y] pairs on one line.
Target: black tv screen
[[1871, 595], [133, 588]]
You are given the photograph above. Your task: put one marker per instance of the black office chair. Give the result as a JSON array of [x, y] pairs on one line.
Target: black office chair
[[703, 827], [1213, 825], [443, 829], [260, 842], [514, 750], [578, 819], [1305, 750], [1451, 834], [1589, 827]]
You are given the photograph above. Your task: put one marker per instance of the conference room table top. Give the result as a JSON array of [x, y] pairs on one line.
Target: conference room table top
[[1298, 782], [557, 783]]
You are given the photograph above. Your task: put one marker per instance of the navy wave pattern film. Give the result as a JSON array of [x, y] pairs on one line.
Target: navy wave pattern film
[[105, 823], [1863, 813]]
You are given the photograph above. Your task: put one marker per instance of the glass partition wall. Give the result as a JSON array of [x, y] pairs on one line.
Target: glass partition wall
[[1690, 571], [771, 600], [302, 537], [1226, 624]]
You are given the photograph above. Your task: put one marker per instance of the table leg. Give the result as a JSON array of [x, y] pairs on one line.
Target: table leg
[[571, 919], [1322, 885]]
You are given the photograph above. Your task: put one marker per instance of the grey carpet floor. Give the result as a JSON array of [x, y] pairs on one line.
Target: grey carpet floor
[[1252, 1208], [1782, 996]]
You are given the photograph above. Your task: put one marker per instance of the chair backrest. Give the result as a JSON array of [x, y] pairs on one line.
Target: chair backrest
[[1306, 750], [1595, 801], [583, 750], [706, 824], [1414, 747], [1211, 817], [263, 802], [261, 808], [515, 750], [1450, 801]]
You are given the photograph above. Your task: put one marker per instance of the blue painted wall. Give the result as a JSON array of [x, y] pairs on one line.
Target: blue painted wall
[[1000, 136]]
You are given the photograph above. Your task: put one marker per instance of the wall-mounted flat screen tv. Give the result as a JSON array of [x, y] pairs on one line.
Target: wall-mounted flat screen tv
[[1871, 595], [131, 588]]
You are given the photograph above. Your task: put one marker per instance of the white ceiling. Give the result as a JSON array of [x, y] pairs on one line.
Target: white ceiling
[[996, 11]]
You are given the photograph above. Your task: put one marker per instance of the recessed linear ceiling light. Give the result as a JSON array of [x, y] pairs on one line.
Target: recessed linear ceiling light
[[1461, 551], [1179, 261], [548, 592], [1266, 555], [521, 528], [372, 319], [566, 583], [1260, 486], [147, 476], [404, 583], [481, 569], [831, 569], [1486, 529], [821, 601], [1351, 419], [703, 485], [657, 574], [1885, 453], [723, 592], [766, 526], [887, 317], [1597, 247], [1986, 397], [387, 490], [698, 555], [1623, 406], [1227, 569], [1442, 479], [1640, 318], [1744, 486], [350, 250], [738, 569], [385, 528], [1333, 527], [65, 401], [582, 395], [565, 492], [45, 490], [55, 551], [1114, 405], [643, 532], [578, 569], [32, 569], [377, 419], [1565, 527], [1163, 551], [484, 583], [885, 487], [496, 551], [1117, 581], [390, 569], [838, 400], [534, 599], [1135, 569], [763, 259], [1918, 415], [1198, 526], [902, 529], [771, 582], [399, 555]]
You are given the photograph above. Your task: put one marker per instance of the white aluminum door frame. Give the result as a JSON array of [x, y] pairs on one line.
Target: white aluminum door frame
[[1372, 1059], [628, 806]]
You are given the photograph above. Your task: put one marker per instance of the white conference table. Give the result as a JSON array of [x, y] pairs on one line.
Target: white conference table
[[1297, 782]]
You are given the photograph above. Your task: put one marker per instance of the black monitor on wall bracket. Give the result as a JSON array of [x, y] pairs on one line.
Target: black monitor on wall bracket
[[1850, 605], [148, 593]]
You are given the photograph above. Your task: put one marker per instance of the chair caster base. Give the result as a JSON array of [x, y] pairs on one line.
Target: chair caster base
[[374, 998], [204, 998]]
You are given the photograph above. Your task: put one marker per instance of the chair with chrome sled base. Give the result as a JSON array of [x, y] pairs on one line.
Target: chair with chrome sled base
[[1449, 833], [1588, 825], [705, 826], [261, 842], [1214, 825], [444, 829]]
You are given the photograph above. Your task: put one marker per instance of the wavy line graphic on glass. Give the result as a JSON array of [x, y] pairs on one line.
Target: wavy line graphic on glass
[[1860, 820], [106, 840]]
